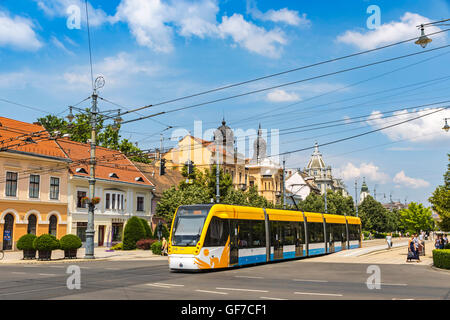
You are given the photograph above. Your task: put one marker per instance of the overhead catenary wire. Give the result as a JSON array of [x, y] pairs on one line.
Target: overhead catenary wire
[[284, 84]]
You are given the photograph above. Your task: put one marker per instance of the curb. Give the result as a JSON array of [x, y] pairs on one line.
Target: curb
[[63, 261], [432, 267]]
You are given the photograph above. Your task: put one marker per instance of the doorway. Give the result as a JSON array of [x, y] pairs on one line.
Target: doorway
[[234, 249], [101, 235], [276, 239], [8, 232]]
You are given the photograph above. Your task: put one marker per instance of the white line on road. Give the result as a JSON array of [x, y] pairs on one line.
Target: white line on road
[[238, 289], [250, 277], [43, 289], [47, 274], [111, 268], [269, 298], [159, 286], [56, 267], [394, 284], [169, 284], [16, 272], [305, 280], [319, 294], [216, 292]]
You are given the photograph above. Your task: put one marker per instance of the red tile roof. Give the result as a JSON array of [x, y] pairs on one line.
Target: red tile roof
[[109, 162], [18, 136]]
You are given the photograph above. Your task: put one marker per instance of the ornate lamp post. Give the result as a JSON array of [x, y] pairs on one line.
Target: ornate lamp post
[[423, 39], [446, 127]]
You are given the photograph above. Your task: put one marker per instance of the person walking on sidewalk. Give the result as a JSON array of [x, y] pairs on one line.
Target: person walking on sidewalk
[[389, 240], [413, 253], [164, 247]]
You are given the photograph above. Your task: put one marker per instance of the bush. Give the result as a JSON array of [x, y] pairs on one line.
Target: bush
[[156, 247], [46, 242], [441, 258], [134, 231], [26, 242], [70, 242], [148, 231], [118, 246], [145, 244], [380, 235], [447, 246]]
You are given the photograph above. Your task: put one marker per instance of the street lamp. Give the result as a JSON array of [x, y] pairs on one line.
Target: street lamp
[[446, 127], [423, 39]]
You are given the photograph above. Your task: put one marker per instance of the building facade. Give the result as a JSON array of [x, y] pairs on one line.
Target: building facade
[[33, 187], [123, 190]]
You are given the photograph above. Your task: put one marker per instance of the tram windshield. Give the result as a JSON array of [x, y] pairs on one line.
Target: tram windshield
[[188, 225]]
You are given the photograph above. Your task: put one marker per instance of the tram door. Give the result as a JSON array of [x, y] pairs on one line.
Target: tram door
[[234, 249], [298, 240], [276, 240], [330, 237]]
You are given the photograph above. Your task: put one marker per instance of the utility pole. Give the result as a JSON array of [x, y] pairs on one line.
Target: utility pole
[[284, 184], [356, 197], [217, 172], [326, 211]]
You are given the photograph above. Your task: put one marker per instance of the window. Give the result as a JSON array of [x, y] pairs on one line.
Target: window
[[108, 201], [218, 233], [54, 188], [11, 184], [114, 201], [80, 195], [251, 234], [140, 203], [34, 186], [52, 225], [81, 230], [117, 229], [354, 232], [315, 232], [32, 224]]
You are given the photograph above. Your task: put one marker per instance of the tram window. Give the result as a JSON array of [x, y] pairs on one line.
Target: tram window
[[218, 232], [354, 232], [258, 234], [299, 232], [244, 234], [288, 233], [315, 232]]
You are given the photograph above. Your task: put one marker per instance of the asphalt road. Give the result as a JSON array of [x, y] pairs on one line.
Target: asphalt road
[[151, 279]]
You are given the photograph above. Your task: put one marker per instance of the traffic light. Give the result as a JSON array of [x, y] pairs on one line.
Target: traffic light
[[162, 167]]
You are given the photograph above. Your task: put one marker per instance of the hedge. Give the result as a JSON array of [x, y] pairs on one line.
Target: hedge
[[46, 242], [441, 258], [447, 246], [156, 247], [70, 242], [26, 242], [145, 244], [134, 231]]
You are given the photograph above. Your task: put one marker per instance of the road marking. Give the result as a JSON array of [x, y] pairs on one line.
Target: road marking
[[304, 280], [216, 292], [394, 284], [19, 272], [250, 277], [169, 284], [111, 268], [56, 266], [319, 294], [158, 285], [238, 289], [43, 289], [269, 298], [402, 299], [47, 274]]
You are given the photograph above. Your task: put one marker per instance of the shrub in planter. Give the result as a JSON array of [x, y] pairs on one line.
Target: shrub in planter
[[25, 243], [441, 258], [156, 247], [70, 243], [45, 244], [145, 244], [134, 231]]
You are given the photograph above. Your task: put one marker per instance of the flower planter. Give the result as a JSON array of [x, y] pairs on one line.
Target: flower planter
[[44, 255], [70, 254], [29, 254]]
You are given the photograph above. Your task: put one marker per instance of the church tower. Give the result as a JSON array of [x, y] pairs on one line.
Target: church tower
[[364, 191]]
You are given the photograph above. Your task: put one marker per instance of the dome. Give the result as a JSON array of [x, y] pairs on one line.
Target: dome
[[259, 147], [224, 135], [316, 161]]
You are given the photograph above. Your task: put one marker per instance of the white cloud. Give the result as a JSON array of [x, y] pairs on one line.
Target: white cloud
[[155, 23], [368, 170], [279, 95], [58, 8], [252, 37], [290, 17], [428, 128], [18, 33], [388, 33], [406, 181], [61, 45]]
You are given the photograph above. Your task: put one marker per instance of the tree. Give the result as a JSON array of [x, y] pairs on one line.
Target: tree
[[147, 229], [440, 201], [374, 216], [394, 221], [134, 231], [312, 203], [338, 204], [416, 218]]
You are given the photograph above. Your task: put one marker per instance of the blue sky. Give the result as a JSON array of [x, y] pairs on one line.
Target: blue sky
[[151, 51]]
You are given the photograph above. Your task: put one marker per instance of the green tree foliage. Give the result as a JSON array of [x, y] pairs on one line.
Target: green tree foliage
[[416, 218], [26, 242], [134, 231], [148, 230], [70, 242], [374, 216], [440, 201], [394, 221], [80, 131], [336, 203]]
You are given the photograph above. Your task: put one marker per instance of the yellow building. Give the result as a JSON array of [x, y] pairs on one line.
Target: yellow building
[[33, 184]]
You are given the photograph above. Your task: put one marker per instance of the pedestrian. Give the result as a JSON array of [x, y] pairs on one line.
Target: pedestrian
[[445, 239], [389, 240], [413, 253], [164, 247], [437, 242]]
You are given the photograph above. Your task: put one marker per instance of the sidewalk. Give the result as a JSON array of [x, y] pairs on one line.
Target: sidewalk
[[15, 257]]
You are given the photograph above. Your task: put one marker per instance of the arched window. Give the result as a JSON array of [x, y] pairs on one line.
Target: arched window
[[32, 224], [52, 225], [8, 232]]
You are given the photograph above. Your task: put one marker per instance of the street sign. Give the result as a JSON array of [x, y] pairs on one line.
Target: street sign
[[7, 235]]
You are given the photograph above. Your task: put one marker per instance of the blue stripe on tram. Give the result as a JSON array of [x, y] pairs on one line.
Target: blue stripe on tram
[[316, 251], [252, 259]]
